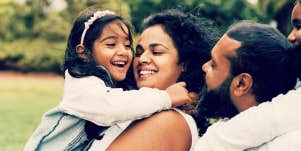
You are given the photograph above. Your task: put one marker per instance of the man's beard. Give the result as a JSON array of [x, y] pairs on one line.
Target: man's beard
[[217, 103]]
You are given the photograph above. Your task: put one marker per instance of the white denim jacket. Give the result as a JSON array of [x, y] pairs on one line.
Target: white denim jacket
[[88, 98]]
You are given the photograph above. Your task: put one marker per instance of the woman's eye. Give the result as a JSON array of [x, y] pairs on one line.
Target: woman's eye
[[157, 52], [138, 52], [212, 64], [111, 44]]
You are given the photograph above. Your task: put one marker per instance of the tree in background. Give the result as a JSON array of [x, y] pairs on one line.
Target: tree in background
[[278, 11], [33, 34]]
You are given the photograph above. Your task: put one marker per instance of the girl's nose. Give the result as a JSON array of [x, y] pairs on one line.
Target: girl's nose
[[292, 36]]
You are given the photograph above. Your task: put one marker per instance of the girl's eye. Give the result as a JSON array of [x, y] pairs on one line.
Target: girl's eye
[[128, 46]]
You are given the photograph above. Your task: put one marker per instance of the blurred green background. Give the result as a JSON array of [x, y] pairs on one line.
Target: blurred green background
[[33, 36], [33, 33]]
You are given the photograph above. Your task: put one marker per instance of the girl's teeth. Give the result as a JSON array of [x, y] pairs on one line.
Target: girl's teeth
[[119, 63]]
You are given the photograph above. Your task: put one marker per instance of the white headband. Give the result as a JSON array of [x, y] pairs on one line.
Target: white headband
[[95, 16]]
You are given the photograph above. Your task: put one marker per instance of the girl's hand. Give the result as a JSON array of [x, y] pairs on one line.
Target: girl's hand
[[179, 94]]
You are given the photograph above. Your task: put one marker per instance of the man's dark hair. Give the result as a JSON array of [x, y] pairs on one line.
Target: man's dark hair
[[264, 54]]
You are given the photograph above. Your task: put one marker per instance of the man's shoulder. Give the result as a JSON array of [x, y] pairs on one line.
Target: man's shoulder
[[289, 141]]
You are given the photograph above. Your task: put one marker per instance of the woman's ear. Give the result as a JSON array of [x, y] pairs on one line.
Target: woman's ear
[[81, 52], [242, 84], [183, 67]]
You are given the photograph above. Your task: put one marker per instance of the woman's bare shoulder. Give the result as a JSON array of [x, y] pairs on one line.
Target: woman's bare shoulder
[[166, 130]]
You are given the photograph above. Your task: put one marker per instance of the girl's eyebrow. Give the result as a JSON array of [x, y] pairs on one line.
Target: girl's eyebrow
[[109, 37], [296, 21]]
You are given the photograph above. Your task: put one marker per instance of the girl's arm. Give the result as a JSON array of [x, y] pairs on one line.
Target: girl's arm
[[255, 126], [163, 131], [88, 98]]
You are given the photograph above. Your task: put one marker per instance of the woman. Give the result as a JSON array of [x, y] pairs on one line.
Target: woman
[[171, 48]]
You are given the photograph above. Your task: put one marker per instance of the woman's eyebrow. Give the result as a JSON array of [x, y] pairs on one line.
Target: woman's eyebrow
[[152, 45], [139, 47]]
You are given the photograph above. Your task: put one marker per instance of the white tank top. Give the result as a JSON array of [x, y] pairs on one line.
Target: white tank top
[[114, 131]]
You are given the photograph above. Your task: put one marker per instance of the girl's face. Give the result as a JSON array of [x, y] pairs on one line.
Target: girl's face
[[113, 50], [295, 35], [156, 62]]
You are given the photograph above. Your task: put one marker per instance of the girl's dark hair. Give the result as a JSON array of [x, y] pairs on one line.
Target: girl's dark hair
[[79, 67], [193, 37]]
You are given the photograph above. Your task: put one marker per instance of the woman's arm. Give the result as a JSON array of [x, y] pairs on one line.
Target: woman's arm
[[164, 131]]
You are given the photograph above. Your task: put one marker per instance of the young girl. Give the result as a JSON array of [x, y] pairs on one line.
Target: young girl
[[97, 59]]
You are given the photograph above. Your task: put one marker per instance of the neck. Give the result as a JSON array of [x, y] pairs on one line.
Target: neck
[[244, 102]]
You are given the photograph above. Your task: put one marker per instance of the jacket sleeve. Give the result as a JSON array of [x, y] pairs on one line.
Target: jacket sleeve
[[88, 98], [255, 126], [57, 131]]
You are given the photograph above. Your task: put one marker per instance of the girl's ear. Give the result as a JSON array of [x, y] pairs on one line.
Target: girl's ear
[[81, 52]]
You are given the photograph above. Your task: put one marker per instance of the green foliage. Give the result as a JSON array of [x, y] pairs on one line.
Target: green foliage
[[38, 23], [54, 29], [27, 55], [225, 12], [23, 103]]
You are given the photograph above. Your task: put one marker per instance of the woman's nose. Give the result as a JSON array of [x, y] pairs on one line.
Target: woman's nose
[[205, 66], [144, 58]]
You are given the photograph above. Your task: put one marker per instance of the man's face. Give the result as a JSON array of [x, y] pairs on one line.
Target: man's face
[[295, 35], [217, 101]]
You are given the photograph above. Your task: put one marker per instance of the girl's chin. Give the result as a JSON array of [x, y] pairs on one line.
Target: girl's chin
[[119, 78]]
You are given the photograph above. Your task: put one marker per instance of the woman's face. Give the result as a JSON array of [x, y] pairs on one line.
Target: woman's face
[[156, 62], [295, 35], [113, 50]]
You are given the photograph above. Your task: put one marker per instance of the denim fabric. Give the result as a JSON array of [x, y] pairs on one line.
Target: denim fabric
[[58, 131]]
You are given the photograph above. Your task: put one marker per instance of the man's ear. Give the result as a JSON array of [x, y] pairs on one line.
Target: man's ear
[[242, 84], [81, 52]]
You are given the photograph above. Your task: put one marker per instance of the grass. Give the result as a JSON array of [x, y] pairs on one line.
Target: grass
[[22, 106]]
